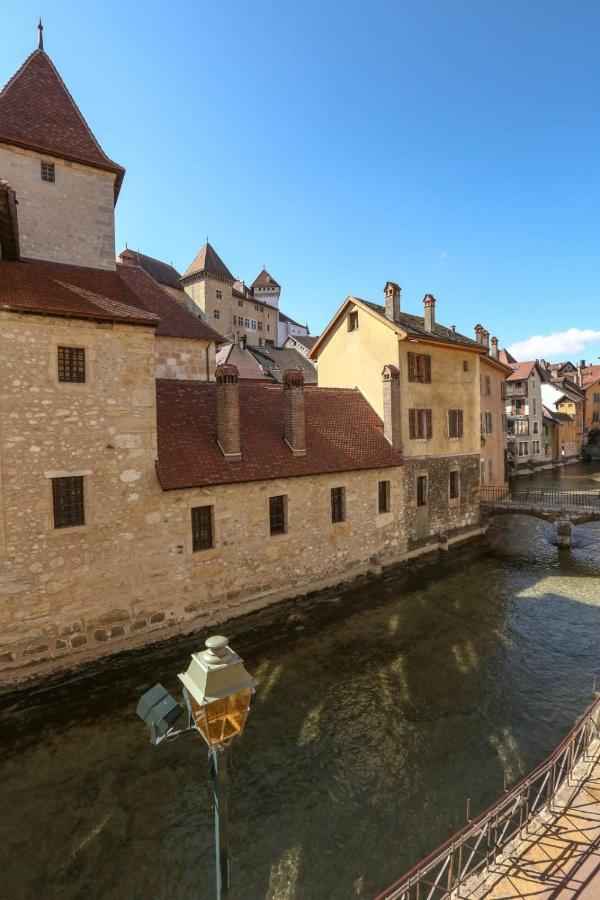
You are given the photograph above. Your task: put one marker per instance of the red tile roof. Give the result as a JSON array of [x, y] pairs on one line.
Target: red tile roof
[[264, 279], [57, 289], [208, 260], [38, 112], [590, 374], [175, 319], [343, 433], [521, 371]]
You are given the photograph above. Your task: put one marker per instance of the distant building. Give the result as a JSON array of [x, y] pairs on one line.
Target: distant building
[[301, 342], [494, 448], [523, 405], [289, 327], [275, 361]]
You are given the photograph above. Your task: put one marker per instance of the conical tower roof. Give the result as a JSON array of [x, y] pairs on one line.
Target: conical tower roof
[[208, 260], [38, 112], [265, 280]]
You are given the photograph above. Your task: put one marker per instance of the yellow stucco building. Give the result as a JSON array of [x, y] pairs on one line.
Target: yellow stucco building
[[435, 373]]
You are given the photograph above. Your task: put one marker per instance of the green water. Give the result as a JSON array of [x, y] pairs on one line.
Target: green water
[[383, 705]]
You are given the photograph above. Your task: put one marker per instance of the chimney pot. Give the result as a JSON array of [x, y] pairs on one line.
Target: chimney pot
[[485, 338], [294, 415], [228, 412], [429, 312], [392, 423], [494, 348], [392, 300]]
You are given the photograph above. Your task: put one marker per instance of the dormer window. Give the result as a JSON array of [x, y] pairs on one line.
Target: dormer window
[[47, 172]]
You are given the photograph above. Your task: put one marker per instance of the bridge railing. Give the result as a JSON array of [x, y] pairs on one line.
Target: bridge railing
[[541, 499], [472, 849]]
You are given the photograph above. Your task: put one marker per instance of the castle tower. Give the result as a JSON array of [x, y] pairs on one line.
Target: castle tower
[[65, 185], [266, 290]]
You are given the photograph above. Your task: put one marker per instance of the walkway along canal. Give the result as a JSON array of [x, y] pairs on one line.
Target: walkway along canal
[[383, 705]]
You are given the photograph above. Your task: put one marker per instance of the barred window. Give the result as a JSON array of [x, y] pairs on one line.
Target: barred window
[[202, 528], [47, 172], [338, 504], [217, 313], [384, 496], [219, 294], [419, 367], [455, 423], [454, 484], [71, 364], [67, 501], [420, 423], [421, 490], [277, 514]]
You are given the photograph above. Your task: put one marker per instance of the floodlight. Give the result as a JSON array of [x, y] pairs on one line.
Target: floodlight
[[159, 710]]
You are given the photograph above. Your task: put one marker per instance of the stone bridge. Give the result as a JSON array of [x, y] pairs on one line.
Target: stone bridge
[[565, 508]]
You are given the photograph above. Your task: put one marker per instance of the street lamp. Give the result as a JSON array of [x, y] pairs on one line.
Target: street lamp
[[218, 692]]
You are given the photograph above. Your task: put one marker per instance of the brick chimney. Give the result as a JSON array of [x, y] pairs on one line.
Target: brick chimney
[[228, 412], [392, 300], [293, 405], [494, 348], [429, 312], [485, 338], [391, 406], [479, 333]]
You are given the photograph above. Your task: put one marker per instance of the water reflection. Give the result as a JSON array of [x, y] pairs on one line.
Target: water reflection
[[382, 707]]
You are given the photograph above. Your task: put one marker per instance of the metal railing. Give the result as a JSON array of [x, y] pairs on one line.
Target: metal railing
[[472, 849], [541, 499]]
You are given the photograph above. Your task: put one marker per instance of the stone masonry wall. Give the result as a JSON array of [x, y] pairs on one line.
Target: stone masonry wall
[[185, 359], [69, 593], [70, 221], [441, 514]]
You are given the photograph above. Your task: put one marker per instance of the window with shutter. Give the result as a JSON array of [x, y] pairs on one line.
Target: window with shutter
[[419, 367]]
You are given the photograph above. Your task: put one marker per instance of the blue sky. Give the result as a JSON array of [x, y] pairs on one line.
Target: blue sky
[[450, 146]]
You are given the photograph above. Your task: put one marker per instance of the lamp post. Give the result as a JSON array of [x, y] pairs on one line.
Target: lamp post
[[218, 693]]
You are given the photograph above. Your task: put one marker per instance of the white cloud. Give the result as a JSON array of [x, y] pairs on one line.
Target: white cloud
[[557, 346]]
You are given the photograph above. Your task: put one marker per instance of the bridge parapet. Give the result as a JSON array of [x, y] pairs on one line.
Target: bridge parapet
[[577, 507]]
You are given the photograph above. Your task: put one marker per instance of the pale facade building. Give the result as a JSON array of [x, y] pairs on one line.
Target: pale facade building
[[524, 413], [494, 446]]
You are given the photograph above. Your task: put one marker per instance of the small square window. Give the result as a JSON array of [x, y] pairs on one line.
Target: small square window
[[219, 294], [67, 501], [277, 514], [353, 320], [71, 364], [217, 313], [465, 365], [384, 496], [47, 172], [338, 504], [202, 528], [421, 490], [241, 303], [454, 484]]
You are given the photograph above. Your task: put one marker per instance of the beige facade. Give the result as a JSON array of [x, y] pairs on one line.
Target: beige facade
[[494, 453], [192, 360], [130, 569], [70, 220], [353, 351]]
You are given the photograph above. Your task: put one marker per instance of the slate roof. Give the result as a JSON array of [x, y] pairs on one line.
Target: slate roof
[[51, 288], [247, 366], [265, 280], [175, 319], [38, 112], [343, 434], [208, 260], [162, 272], [415, 325], [285, 318], [307, 340], [275, 361]]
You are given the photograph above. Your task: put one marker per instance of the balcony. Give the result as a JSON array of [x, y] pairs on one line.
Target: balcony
[[516, 389], [515, 412]]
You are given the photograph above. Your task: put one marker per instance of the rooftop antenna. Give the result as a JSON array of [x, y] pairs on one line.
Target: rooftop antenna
[[40, 35]]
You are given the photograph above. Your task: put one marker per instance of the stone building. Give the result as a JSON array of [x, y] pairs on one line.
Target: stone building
[[289, 328], [132, 505], [432, 375], [523, 405], [494, 447]]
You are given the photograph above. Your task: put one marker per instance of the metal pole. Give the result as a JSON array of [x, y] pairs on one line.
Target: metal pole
[[218, 770]]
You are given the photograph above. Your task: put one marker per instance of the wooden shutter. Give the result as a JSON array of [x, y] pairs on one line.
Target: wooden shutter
[[426, 368], [412, 367], [429, 424], [412, 423], [460, 422]]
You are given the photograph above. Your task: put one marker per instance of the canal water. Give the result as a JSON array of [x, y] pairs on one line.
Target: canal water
[[383, 705]]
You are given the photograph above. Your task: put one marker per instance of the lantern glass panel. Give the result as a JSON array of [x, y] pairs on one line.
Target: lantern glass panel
[[222, 720]]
